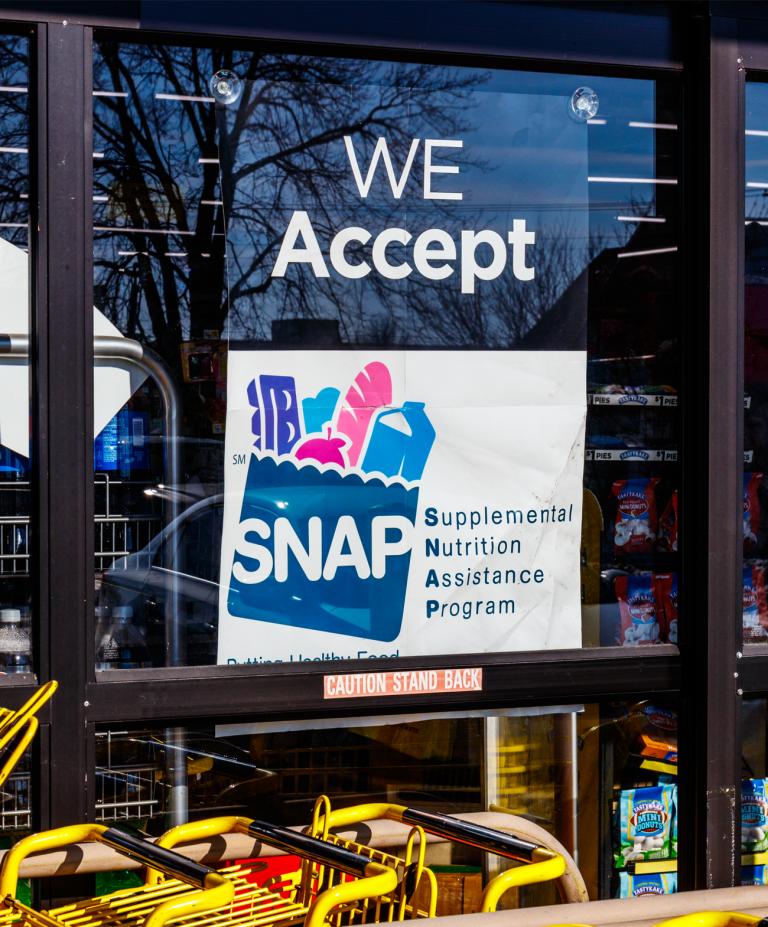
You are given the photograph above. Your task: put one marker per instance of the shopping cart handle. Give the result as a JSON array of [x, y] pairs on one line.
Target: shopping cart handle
[[318, 851], [475, 835], [11, 722], [48, 840], [290, 841], [143, 851], [442, 825], [543, 871], [149, 854]]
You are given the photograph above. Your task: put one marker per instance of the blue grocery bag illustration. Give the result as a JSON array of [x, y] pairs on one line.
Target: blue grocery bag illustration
[[321, 543]]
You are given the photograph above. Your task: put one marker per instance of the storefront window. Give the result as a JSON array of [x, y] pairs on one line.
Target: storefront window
[[755, 616], [580, 774], [16, 624], [754, 843], [387, 358]]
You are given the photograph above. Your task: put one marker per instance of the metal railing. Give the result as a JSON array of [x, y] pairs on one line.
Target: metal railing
[[16, 811], [124, 791]]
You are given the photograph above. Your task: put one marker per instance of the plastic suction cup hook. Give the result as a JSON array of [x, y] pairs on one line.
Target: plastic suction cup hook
[[583, 104], [226, 87]]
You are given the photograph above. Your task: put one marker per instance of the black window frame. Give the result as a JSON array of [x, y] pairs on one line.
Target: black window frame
[[709, 46]]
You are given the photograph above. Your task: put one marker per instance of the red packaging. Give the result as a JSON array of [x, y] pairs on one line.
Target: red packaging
[[637, 523], [642, 609], [666, 584], [751, 510], [668, 526], [755, 606]]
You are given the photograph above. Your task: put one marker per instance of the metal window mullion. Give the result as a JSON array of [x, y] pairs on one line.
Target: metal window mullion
[[712, 408], [66, 228]]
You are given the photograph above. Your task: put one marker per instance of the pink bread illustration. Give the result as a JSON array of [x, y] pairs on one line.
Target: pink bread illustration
[[371, 390], [324, 450]]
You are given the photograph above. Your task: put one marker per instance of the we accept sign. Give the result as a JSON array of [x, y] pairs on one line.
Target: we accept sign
[[405, 500]]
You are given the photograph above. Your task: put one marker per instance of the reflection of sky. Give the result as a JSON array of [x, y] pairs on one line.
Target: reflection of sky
[[616, 149], [756, 150], [538, 161]]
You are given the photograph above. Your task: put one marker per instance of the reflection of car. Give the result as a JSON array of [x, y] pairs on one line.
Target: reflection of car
[[131, 778], [142, 580]]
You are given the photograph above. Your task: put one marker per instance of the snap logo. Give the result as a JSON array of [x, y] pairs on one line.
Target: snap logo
[[329, 506]]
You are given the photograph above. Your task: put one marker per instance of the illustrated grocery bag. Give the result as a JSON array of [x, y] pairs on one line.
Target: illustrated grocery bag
[[330, 552]]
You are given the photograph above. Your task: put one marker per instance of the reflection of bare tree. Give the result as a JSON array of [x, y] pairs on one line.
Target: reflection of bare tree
[[201, 197], [236, 175], [14, 138], [502, 310]]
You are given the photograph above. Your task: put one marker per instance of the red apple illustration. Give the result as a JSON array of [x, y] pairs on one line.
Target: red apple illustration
[[323, 450]]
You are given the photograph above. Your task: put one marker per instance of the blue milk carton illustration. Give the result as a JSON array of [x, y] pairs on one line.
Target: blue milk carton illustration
[[395, 453]]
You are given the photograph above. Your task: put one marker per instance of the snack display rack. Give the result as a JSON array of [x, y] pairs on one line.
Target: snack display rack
[[636, 442], [636, 754]]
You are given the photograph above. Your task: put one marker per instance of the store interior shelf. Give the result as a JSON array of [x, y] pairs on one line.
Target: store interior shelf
[[649, 866], [652, 764], [754, 859], [638, 400], [630, 454]]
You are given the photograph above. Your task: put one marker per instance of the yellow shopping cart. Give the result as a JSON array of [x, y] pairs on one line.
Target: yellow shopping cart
[[194, 891], [364, 885], [544, 864], [12, 722]]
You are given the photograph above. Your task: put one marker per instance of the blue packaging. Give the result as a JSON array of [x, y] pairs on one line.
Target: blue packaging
[[754, 816], [643, 824], [674, 821], [123, 444], [657, 883], [754, 875]]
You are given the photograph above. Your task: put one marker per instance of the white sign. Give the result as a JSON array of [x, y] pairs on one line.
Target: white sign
[[412, 500], [114, 381], [398, 503]]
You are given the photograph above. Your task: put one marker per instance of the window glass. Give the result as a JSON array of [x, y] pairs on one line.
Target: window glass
[[755, 615], [753, 793], [582, 774], [17, 644], [387, 358], [15, 590]]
